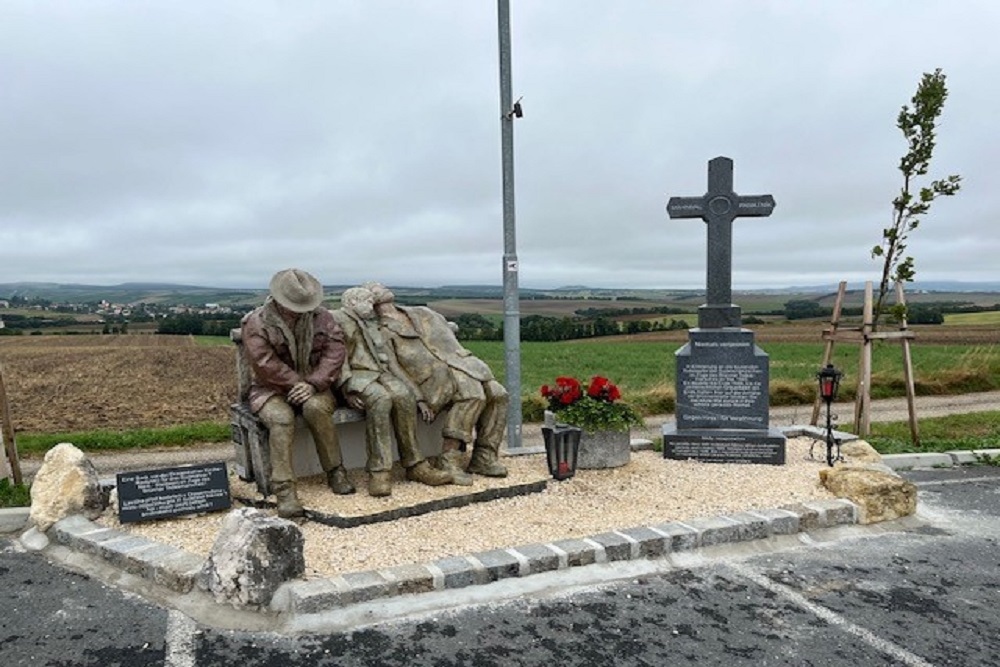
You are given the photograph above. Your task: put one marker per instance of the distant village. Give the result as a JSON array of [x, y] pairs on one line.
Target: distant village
[[19, 314]]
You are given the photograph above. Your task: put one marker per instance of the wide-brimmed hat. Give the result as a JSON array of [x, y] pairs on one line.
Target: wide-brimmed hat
[[296, 290]]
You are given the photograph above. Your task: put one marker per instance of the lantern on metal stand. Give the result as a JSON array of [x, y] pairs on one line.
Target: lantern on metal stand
[[829, 384], [562, 445]]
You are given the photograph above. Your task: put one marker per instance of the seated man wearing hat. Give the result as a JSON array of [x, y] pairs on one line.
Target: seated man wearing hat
[[296, 350]]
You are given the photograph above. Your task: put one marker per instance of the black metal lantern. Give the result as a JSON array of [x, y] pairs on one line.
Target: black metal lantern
[[562, 445], [829, 384]]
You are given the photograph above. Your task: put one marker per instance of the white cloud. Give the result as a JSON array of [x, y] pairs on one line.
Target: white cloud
[[214, 143]]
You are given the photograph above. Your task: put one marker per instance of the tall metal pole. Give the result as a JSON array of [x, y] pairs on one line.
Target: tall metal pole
[[511, 312]]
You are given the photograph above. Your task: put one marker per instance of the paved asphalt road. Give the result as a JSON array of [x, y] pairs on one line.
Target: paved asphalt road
[[919, 592]]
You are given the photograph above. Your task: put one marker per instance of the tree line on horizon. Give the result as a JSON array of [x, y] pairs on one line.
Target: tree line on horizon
[[584, 323]]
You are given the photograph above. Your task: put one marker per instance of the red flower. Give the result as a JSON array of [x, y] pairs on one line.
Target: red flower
[[603, 389], [565, 392], [591, 407]]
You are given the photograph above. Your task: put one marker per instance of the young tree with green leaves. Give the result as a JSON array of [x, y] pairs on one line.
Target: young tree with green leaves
[[918, 125]]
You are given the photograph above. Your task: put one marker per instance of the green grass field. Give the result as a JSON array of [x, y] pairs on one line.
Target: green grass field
[[979, 430], [39, 443], [962, 319], [639, 367]]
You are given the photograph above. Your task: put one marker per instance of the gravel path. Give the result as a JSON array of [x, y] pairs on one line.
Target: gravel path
[[649, 490]]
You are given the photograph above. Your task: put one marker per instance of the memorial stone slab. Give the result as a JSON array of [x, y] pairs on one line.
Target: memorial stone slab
[[722, 376], [722, 381]]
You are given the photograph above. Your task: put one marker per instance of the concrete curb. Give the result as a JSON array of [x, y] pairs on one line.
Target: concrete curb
[[476, 569], [901, 461], [13, 519], [178, 570], [938, 459], [163, 564]]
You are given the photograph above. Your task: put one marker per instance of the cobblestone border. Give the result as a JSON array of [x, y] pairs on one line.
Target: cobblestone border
[[163, 564], [178, 570]]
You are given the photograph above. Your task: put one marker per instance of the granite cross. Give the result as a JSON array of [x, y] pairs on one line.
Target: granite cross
[[719, 207]]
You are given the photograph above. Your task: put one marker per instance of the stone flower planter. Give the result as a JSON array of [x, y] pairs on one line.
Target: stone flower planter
[[604, 449], [599, 449]]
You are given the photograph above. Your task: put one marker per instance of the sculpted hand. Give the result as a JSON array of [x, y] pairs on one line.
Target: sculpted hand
[[425, 411], [300, 393], [355, 401]]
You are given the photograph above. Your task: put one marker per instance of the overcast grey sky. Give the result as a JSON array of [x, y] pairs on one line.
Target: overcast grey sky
[[214, 143]]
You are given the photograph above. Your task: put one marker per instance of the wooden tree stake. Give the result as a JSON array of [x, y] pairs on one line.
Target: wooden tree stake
[[911, 391], [864, 336], [10, 446]]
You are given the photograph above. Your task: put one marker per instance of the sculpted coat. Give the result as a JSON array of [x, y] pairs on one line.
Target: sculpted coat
[[448, 375], [389, 397], [279, 362], [429, 353]]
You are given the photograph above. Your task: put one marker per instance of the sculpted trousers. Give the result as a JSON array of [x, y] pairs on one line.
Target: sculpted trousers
[[492, 422], [390, 408], [279, 417], [479, 406]]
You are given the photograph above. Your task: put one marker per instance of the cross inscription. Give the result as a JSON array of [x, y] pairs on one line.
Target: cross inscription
[[718, 208]]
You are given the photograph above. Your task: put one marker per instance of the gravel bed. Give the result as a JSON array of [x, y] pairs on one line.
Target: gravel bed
[[648, 490]]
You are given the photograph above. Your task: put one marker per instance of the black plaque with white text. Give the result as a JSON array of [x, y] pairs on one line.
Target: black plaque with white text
[[722, 381], [170, 492]]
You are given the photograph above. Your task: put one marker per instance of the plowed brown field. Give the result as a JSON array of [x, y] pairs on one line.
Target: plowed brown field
[[76, 383]]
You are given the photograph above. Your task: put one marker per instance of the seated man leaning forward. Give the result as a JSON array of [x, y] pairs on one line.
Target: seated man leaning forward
[[296, 350], [372, 381], [448, 377]]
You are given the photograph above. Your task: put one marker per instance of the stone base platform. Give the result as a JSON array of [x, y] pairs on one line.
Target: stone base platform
[[724, 445], [408, 498]]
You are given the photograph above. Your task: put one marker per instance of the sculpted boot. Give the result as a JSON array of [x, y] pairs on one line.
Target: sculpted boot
[[485, 462], [425, 474], [379, 484], [452, 462], [338, 482], [289, 506]]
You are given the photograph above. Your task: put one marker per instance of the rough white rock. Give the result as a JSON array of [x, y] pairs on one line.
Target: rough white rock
[[882, 496], [33, 540], [253, 554], [65, 484], [859, 451]]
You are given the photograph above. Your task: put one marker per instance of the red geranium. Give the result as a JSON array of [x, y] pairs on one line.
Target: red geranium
[[599, 409], [603, 389], [566, 391]]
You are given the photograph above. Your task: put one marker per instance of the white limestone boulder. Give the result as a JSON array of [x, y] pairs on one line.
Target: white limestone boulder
[[881, 494], [253, 554], [859, 451], [65, 484]]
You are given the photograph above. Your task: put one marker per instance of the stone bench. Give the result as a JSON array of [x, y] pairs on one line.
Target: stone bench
[[250, 436]]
